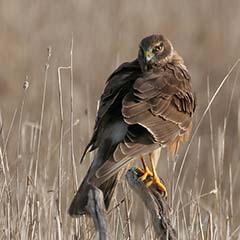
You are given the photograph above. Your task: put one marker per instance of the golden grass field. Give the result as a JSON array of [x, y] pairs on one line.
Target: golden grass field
[[65, 50]]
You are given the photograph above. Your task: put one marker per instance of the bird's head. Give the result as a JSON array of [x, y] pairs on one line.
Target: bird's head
[[155, 51]]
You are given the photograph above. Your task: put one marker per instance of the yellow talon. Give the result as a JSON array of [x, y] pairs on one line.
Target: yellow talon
[[156, 180], [146, 172], [159, 184]]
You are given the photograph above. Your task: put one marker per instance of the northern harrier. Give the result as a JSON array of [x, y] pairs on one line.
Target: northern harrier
[[146, 104]]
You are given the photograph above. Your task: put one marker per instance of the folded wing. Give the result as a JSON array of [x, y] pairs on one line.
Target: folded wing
[[158, 111]]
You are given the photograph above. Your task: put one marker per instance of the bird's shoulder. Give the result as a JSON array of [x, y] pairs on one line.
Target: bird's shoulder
[[175, 77], [121, 79], [165, 92], [171, 82], [123, 76]]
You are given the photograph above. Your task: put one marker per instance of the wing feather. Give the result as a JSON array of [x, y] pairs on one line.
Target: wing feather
[[121, 78], [161, 103]]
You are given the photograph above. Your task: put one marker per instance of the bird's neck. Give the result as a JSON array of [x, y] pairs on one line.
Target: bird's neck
[[177, 60]]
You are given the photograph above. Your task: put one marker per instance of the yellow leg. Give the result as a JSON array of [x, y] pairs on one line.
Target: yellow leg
[[145, 171], [155, 179]]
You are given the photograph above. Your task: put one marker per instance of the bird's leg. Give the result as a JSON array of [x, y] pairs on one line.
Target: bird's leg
[[145, 171], [155, 179]]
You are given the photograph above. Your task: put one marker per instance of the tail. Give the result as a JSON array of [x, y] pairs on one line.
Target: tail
[[113, 134], [80, 200]]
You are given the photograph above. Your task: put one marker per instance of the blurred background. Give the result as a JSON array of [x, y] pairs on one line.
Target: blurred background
[[106, 33]]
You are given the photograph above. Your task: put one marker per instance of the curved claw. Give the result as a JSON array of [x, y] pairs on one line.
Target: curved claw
[[156, 180], [146, 172]]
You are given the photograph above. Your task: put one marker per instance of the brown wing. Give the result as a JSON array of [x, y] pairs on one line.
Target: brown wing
[[162, 102], [120, 80], [159, 111]]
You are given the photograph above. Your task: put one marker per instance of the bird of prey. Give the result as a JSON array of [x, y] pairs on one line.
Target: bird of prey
[[146, 104]]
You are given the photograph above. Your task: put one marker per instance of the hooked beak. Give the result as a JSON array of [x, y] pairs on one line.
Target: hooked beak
[[148, 55]]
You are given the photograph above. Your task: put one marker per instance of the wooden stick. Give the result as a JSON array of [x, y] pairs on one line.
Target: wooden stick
[[152, 199], [155, 203], [96, 208]]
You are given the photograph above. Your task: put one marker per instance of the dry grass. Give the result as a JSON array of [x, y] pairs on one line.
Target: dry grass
[[46, 125]]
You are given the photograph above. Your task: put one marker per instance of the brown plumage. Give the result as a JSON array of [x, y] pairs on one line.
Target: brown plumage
[[146, 104]]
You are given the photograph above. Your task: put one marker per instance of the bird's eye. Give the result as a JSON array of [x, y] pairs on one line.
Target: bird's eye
[[158, 48]]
